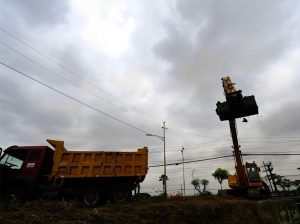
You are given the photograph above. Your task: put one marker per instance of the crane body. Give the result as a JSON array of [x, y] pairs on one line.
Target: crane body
[[236, 106]]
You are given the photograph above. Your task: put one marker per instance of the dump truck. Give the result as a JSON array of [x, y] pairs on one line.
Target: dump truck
[[92, 176]]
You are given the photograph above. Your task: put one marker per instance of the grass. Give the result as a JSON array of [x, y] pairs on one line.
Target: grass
[[200, 210]]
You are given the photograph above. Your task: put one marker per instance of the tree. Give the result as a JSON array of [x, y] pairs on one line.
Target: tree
[[220, 175], [285, 184], [197, 183], [296, 183], [163, 178]]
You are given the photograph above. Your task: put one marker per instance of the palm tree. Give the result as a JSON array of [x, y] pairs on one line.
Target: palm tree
[[164, 179]]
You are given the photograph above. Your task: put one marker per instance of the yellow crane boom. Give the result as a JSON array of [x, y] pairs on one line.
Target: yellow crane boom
[[236, 106]]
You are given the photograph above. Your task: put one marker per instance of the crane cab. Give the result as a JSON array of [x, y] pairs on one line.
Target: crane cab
[[253, 177], [250, 179]]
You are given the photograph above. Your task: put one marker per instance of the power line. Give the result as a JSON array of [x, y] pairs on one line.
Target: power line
[[190, 146], [219, 157], [192, 161], [60, 76], [74, 99], [271, 154], [209, 145], [71, 72], [271, 138]]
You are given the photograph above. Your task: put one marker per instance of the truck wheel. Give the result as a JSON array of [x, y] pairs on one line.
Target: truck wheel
[[89, 197], [121, 193], [12, 198]]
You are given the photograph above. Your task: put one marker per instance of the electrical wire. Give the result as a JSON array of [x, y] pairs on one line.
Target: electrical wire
[[192, 161], [225, 156], [271, 154], [74, 99], [71, 72], [62, 77]]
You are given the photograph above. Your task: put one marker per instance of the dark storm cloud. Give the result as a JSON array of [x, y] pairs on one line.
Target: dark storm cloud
[[209, 40], [12, 88], [35, 112], [237, 40], [25, 113]]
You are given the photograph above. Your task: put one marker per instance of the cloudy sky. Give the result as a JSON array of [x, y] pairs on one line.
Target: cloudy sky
[[139, 63]]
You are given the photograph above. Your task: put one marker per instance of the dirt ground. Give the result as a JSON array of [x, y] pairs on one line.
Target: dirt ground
[[182, 210]]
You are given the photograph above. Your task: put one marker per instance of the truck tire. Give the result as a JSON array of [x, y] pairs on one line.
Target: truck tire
[[121, 193], [89, 197], [12, 198]]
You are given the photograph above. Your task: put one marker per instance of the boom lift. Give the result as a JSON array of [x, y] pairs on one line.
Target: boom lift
[[247, 178]]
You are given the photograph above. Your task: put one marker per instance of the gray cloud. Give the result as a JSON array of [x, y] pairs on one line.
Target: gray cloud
[[232, 40], [240, 40], [283, 121], [36, 13], [171, 70]]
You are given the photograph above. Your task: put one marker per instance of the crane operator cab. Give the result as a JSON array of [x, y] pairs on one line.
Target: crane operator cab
[[252, 171]]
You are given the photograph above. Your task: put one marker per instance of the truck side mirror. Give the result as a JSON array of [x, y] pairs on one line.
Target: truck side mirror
[[0, 151]]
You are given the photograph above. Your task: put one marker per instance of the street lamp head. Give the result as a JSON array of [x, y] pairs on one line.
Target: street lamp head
[[156, 136]]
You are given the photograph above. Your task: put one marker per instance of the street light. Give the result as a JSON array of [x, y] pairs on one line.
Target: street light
[[183, 171], [156, 136], [165, 162]]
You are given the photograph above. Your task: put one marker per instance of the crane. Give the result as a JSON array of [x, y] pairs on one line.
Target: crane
[[247, 178]]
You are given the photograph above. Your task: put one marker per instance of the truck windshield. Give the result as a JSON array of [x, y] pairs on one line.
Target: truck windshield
[[11, 161]]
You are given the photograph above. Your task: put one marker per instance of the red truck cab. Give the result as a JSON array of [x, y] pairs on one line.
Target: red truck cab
[[33, 161], [22, 170]]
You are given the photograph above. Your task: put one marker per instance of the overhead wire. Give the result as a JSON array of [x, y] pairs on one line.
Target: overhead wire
[[65, 68], [74, 99], [73, 73], [225, 156], [62, 77], [192, 161], [156, 149]]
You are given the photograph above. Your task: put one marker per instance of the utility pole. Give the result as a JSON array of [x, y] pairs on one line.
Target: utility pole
[[165, 161], [183, 171], [269, 168], [163, 138], [268, 176]]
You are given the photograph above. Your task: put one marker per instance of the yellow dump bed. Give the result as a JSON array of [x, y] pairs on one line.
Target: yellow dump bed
[[81, 164]]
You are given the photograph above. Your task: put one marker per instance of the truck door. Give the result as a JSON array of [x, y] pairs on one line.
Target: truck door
[[32, 164]]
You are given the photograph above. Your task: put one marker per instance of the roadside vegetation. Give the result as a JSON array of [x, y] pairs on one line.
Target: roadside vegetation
[[200, 209]]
